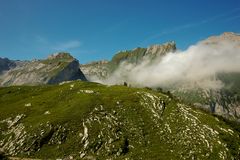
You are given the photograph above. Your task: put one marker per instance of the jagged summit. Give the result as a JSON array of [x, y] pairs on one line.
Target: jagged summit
[[136, 55], [226, 36], [170, 43], [161, 48], [230, 34], [97, 62], [61, 55], [96, 70]]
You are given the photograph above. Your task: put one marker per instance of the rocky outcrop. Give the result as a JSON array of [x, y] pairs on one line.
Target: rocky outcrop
[[70, 72], [137, 55], [161, 49], [95, 71], [226, 101], [57, 68], [221, 102], [61, 55], [226, 36]]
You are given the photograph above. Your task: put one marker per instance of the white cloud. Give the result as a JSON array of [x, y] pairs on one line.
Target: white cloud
[[195, 67]]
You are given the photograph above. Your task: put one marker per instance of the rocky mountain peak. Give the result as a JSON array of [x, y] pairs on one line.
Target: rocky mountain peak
[[97, 62], [161, 48], [136, 55], [60, 55], [229, 34], [226, 36]]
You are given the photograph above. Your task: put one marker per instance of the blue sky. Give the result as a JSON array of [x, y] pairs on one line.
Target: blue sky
[[97, 29]]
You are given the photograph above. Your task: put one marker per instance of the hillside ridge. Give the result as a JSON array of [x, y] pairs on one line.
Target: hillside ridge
[[82, 120]]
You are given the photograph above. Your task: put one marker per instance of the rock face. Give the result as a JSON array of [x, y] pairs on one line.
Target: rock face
[[83, 120], [95, 71], [61, 55], [226, 101], [70, 72], [161, 50], [223, 102], [226, 36], [137, 55], [57, 68]]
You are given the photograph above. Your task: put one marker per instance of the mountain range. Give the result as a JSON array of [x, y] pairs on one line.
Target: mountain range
[[145, 103]]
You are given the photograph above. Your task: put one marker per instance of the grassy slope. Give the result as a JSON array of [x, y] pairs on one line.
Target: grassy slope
[[120, 122]]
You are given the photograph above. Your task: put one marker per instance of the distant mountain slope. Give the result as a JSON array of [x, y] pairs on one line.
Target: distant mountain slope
[[137, 55], [6, 64], [224, 101], [57, 68], [83, 120], [96, 71], [226, 36]]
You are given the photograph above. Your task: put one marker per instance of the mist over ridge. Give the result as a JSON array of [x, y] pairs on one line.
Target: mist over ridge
[[196, 66]]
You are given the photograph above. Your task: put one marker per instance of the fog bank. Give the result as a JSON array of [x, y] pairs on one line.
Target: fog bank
[[195, 67]]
